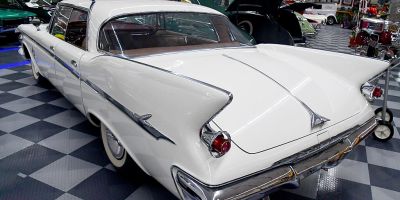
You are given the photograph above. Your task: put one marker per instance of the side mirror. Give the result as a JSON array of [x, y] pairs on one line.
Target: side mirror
[[36, 22]]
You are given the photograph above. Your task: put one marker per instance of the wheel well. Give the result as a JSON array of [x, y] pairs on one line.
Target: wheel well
[[94, 120], [26, 52]]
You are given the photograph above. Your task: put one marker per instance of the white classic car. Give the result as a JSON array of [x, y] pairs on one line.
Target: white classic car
[[179, 90]]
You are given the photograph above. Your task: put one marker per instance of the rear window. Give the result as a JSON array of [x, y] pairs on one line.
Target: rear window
[[150, 33]]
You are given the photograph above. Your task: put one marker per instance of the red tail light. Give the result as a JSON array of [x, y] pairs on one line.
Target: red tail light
[[221, 145], [218, 143], [371, 91], [377, 92]]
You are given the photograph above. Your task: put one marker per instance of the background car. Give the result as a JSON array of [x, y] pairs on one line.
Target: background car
[[10, 19], [42, 10], [327, 10]]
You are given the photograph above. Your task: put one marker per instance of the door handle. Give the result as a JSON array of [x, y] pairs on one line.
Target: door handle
[[74, 63], [52, 48]]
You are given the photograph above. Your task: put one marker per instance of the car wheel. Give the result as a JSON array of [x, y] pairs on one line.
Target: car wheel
[[247, 26], [115, 151], [388, 116], [118, 156], [331, 20], [384, 131]]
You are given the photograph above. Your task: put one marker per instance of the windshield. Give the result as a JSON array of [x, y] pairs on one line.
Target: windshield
[[151, 33]]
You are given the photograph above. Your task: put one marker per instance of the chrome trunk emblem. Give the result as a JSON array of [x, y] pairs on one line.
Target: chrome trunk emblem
[[316, 119]]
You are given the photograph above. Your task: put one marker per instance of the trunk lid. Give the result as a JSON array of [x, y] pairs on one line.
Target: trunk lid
[[269, 84]]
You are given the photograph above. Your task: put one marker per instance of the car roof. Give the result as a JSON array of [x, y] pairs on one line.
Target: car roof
[[110, 7], [104, 10]]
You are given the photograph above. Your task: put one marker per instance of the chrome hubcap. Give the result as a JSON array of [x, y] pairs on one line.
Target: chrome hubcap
[[387, 116], [115, 147], [382, 132]]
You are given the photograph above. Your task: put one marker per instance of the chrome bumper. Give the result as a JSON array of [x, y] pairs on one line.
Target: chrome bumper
[[286, 172]]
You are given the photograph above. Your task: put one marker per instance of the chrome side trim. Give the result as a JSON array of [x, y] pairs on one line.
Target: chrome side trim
[[316, 119], [286, 173], [140, 120]]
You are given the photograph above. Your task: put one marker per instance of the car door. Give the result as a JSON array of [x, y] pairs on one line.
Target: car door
[[45, 42], [68, 54]]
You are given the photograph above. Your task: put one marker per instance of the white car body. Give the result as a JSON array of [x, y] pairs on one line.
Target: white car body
[[320, 19], [327, 10], [265, 96]]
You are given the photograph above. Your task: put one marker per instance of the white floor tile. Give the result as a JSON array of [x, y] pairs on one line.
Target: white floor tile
[[21, 104], [66, 119], [62, 102], [15, 122], [65, 173], [10, 144], [384, 194], [67, 141], [394, 93], [27, 91], [67, 196], [383, 158]]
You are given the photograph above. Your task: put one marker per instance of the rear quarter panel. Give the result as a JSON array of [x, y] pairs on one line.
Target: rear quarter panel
[[179, 108]]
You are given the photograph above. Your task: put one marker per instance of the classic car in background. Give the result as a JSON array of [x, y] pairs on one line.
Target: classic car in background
[[307, 28], [43, 10], [264, 20], [41, 3], [179, 90], [325, 11], [10, 19]]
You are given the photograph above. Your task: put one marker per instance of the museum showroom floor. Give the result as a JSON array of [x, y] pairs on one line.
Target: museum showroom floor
[[48, 150]]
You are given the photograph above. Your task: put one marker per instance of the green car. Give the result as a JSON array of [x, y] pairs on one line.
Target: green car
[[306, 27], [10, 19]]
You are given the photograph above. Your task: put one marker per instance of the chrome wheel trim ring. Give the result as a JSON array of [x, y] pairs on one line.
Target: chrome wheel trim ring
[[114, 145], [382, 132]]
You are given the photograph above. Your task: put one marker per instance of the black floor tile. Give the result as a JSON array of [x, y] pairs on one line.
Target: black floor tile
[[92, 152], [11, 86], [31, 189], [104, 185], [7, 97], [391, 145], [38, 131], [358, 154], [384, 177], [280, 195], [21, 68], [16, 76], [47, 96], [43, 111], [5, 112], [29, 160], [87, 127]]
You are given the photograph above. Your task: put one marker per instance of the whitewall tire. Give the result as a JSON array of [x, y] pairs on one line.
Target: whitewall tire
[[115, 151]]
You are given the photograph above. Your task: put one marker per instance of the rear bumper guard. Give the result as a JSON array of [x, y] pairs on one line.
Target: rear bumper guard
[[288, 171]]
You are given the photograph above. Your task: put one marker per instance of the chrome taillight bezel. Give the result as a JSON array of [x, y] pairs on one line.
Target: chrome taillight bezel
[[367, 89], [208, 135]]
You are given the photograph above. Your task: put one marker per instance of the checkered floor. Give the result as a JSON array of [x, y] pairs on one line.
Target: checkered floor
[[48, 150]]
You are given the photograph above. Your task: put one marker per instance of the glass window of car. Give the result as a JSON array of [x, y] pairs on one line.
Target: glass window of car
[[151, 33], [61, 18], [76, 29]]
